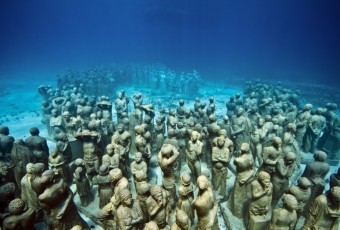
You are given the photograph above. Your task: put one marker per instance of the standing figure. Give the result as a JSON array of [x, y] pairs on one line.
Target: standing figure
[[301, 123], [157, 206], [301, 192], [205, 205], [141, 143], [285, 217], [91, 151], [245, 170], [284, 170], [19, 218], [104, 186], [129, 212], [6, 143], [315, 126], [324, 212], [271, 154], [257, 137], [123, 138], [193, 153], [38, 146], [220, 160], [82, 183], [316, 172], [167, 158], [57, 200], [21, 155], [260, 204], [57, 163], [183, 222], [185, 197]]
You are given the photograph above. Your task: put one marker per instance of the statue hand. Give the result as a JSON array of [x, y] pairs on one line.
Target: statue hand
[[60, 215]]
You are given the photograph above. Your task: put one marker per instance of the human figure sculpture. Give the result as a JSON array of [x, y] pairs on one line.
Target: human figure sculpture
[[302, 193], [57, 163], [231, 107], [284, 169], [27, 193], [6, 143], [167, 158], [82, 183], [260, 204], [129, 212], [193, 153], [55, 122], [301, 123], [220, 160], [70, 124], [271, 154], [289, 144], [334, 179], [225, 124], [38, 146], [257, 137], [315, 126], [324, 212], [105, 191], [19, 218], [157, 206], [112, 157], [285, 217], [316, 172], [182, 138], [138, 165], [183, 222], [245, 170], [172, 120], [213, 132], [121, 105], [180, 110], [141, 143], [239, 129], [21, 155], [142, 192], [90, 141], [205, 205], [123, 138], [57, 200], [185, 197], [159, 131], [8, 189]]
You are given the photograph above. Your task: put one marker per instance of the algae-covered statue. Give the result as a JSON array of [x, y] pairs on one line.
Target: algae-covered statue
[[38, 146], [193, 153], [260, 204], [57, 200], [285, 217], [19, 217], [324, 213], [205, 206], [245, 170]]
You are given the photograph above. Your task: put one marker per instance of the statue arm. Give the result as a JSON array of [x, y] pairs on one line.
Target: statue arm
[[257, 193], [67, 202]]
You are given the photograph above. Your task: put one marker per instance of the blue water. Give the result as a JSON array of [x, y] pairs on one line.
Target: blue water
[[277, 40]]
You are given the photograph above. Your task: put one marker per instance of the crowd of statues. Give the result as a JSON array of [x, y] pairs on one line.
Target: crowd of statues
[[102, 79], [248, 158]]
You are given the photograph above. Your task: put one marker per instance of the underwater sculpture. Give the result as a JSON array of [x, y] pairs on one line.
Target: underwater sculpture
[[200, 133]]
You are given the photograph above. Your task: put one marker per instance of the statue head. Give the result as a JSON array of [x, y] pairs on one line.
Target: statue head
[[290, 158], [182, 219], [157, 193], [245, 147], [104, 169], [320, 156], [202, 182], [16, 206], [335, 194], [125, 197], [4, 130], [34, 131], [185, 179], [264, 178], [115, 174], [304, 183]]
